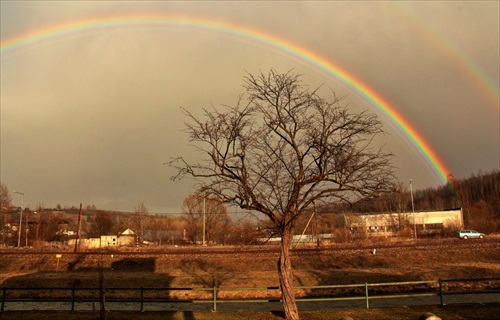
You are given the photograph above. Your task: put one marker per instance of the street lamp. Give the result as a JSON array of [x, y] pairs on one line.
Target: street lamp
[[20, 218], [413, 211]]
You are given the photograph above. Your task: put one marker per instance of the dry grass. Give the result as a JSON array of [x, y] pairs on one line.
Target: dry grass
[[460, 260], [472, 259]]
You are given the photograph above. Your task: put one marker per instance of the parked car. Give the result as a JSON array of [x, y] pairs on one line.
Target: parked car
[[465, 234]]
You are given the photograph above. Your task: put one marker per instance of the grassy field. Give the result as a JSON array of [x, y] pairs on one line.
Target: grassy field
[[206, 268], [432, 261]]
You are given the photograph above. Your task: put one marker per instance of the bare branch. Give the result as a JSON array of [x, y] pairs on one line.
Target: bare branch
[[281, 149]]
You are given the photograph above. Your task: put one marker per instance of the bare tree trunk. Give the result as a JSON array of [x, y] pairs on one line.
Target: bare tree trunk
[[285, 274]]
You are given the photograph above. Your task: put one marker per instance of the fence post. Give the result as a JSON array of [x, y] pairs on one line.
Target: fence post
[[441, 292], [73, 298], [366, 296], [142, 299], [4, 292], [215, 298]]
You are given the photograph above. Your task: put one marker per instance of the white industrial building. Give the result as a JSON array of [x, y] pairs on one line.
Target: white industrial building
[[386, 224], [126, 238]]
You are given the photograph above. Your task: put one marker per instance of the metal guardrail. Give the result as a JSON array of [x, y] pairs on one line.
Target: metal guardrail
[[442, 282], [94, 295]]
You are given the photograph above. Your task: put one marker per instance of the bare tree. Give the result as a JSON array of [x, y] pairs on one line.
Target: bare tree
[[192, 215], [282, 148], [397, 207], [161, 229], [5, 197], [141, 208], [198, 207], [140, 214], [5, 204], [101, 224]]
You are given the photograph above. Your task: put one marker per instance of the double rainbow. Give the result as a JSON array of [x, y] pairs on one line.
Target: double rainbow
[[292, 49]]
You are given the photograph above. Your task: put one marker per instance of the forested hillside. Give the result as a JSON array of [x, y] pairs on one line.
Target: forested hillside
[[478, 196]]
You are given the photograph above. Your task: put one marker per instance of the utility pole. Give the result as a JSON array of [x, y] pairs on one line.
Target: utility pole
[[413, 211], [20, 218], [78, 228], [204, 243], [26, 229], [307, 225], [318, 240]]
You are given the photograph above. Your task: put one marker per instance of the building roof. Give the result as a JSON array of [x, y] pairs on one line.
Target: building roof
[[128, 232]]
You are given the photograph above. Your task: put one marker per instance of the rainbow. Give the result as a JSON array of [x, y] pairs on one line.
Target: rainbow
[[292, 49]]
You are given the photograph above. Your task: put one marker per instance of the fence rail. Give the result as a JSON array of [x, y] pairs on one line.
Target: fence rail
[[103, 296]]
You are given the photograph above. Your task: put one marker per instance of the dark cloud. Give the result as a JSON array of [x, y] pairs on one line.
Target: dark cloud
[[91, 117]]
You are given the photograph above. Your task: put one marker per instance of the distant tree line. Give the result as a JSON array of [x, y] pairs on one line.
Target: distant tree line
[[477, 195]]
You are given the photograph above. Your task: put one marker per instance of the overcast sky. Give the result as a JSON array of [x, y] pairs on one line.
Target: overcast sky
[[90, 117]]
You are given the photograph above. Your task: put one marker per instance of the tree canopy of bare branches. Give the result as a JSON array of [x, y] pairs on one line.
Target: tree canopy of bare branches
[[281, 149], [5, 197], [206, 218]]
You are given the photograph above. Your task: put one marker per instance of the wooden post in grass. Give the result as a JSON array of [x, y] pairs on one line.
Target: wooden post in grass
[[58, 257], [78, 229]]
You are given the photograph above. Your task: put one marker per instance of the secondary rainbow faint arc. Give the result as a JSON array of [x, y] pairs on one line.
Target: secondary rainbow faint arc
[[286, 46], [465, 64]]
